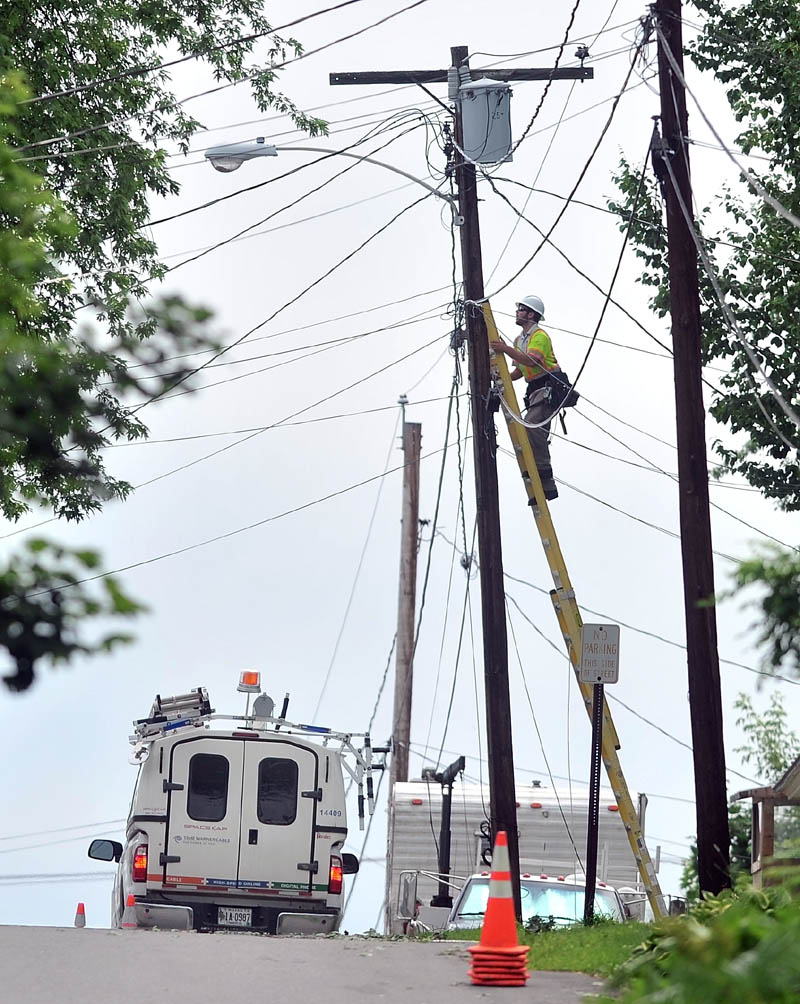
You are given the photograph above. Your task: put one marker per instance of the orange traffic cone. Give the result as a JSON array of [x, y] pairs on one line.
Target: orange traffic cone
[[129, 913], [499, 960], [80, 916]]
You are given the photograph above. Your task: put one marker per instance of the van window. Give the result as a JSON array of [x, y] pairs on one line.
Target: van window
[[207, 799], [277, 791]]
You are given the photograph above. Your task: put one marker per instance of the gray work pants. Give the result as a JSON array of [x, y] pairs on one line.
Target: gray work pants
[[539, 409]]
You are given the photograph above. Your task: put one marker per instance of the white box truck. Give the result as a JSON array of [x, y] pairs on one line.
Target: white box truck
[[549, 821]]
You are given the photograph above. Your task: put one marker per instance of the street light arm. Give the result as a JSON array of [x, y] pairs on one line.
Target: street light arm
[[377, 163]]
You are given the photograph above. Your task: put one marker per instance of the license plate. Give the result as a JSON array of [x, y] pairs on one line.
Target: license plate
[[234, 916]]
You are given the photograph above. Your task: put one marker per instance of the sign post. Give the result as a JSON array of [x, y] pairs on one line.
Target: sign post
[[599, 664]]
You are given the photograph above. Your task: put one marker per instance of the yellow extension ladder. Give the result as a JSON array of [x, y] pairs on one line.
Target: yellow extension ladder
[[569, 617]]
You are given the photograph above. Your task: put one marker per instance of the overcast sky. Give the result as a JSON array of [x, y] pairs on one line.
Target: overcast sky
[[274, 597]]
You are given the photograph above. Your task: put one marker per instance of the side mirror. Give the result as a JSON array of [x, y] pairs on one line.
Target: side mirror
[[105, 850], [349, 864]]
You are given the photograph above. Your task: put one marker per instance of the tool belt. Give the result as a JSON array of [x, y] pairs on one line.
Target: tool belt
[[560, 392]]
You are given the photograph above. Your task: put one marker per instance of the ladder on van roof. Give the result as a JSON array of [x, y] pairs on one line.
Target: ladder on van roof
[[568, 613], [193, 710]]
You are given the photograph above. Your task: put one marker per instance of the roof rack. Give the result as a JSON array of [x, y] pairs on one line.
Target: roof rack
[[170, 713], [194, 710]]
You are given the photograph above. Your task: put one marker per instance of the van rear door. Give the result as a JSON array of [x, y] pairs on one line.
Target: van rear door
[[279, 803], [203, 813]]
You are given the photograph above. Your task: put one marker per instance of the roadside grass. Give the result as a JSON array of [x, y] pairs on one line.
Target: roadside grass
[[596, 950]]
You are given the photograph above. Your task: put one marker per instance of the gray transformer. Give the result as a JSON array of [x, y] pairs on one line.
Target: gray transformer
[[486, 120]]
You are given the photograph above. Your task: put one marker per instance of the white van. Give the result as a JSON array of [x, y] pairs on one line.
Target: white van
[[237, 827]]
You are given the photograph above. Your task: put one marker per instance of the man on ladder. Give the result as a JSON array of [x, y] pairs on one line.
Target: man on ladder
[[535, 361]]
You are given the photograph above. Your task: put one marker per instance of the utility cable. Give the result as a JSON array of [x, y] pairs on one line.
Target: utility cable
[[794, 262], [142, 70], [63, 840], [288, 303], [364, 845], [262, 428], [536, 726], [329, 418], [456, 664], [305, 55], [650, 634], [271, 180], [300, 411], [748, 176], [331, 343], [558, 777], [730, 320], [232, 533], [378, 696], [599, 288], [584, 169], [546, 89], [63, 829], [558, 408], [627, 707], [673, 477], [542, 162], [290, 205], [612, 619], [359, 566]]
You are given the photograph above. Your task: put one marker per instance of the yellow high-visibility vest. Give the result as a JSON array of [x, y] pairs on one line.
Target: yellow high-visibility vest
[[537, 339]]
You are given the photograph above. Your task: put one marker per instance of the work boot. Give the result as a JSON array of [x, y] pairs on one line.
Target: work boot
[[550, 491]]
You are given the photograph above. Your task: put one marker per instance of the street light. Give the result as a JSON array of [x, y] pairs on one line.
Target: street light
[[230, 157]]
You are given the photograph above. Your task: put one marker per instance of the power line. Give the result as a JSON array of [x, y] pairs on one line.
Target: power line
[[631, 627], [371, 95], [359, 566], [288, 303], [650, 634], [547, 85], [233, 533], [607, 297], [63, 829], [623, 213], [258, 432], [730, 320], [586, 166], [748, 176], [305, 55], [627, 707], [541, 773], [674, 477], [143, 70], [55, 878], [306, 421], [259, 184], [536, 178], [328, 181], [536, 727], [53, 843]]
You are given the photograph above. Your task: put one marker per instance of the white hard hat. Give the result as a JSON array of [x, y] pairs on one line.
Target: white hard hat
[[533, 302]]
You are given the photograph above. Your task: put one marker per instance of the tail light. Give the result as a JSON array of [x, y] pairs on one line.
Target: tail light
[[140, 863], [335, 880]]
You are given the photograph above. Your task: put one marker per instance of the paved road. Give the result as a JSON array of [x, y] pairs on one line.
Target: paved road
[[53, 965]]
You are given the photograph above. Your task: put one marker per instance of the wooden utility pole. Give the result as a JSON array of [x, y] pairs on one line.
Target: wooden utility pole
[[404, 658], [705, 701], [502, 792], [502, 789], [406, 604]]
